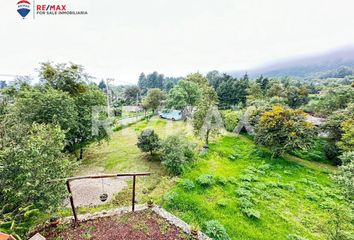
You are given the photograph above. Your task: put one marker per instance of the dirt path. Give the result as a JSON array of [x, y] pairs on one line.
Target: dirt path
[[86, 192]]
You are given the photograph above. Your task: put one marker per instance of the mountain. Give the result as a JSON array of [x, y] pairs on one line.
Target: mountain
[[339, 60]]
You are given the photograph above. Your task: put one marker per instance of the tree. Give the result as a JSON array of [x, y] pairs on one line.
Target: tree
[[154, 99], [198, 78], [69, 79], [232, 91], [31, 156], [3, 84], [263, 83], [148, 141], [254, 92], [176, 154], [142, 84], [102, 85], [155, 80], [276, 89], [206, 119], [334, 121], [333, 99], [345, 174], [284, 129], [85, 103], [214, 78], [296, 96], [132, 94], [47, 106], [184, 96], [347, 141]]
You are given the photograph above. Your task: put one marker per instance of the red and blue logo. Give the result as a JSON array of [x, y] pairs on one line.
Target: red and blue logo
[[23, 8]]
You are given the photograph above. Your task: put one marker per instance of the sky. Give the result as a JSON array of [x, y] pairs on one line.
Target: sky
[[120, 39]]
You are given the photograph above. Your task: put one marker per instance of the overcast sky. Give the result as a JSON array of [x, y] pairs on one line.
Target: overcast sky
[[120, 39]]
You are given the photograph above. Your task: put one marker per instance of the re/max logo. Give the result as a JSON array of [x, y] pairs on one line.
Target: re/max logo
[[51, 7]]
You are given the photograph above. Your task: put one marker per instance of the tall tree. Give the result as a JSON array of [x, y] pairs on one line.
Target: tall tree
[[232, 91], [102, 85], [206, 117], [68, 78], [47, 106], [154, 99], [132, 94], [142, 84], [184, 96]]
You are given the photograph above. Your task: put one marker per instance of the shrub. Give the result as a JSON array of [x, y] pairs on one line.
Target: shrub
[[177, 153], [332, 152], [242, 192], [283, 130], [206, 180], [251, 213], [345, 173], [249, 178], [169, 197], [215, 230], [148, 141], [244, 202], [233, 180], [221, 180], [187, 184], [230, 119]]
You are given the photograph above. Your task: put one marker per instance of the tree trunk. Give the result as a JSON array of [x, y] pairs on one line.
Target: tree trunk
[[207, 137], [81, 153]]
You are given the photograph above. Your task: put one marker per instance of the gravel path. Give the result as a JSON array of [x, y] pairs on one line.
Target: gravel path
[[86, 192]]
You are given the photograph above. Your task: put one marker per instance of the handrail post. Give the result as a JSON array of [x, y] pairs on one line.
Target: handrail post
[[71, 201], [133, 197]]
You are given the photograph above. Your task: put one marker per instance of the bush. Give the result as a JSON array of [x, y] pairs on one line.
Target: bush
[[251, 213], [177, 154], [221, 180], [230, 119], [206, 180], [215, 230], [332, 153], [148, 141], [187, 184], [284, 130]]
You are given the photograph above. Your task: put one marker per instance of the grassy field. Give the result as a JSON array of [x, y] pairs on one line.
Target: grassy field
[[121, 154], [251, 194], [255, 196]]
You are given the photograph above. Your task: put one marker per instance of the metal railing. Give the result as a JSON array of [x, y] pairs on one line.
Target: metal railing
[[134, 175]]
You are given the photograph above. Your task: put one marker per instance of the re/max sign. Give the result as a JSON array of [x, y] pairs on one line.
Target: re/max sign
[[51, 7]]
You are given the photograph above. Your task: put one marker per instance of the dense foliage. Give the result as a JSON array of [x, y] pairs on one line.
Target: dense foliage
[[176, 154], [31, 157], [148, 141], [283, 130]]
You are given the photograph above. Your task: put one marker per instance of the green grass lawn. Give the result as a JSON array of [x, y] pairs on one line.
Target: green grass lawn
[[288, 197], [120, 154]]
